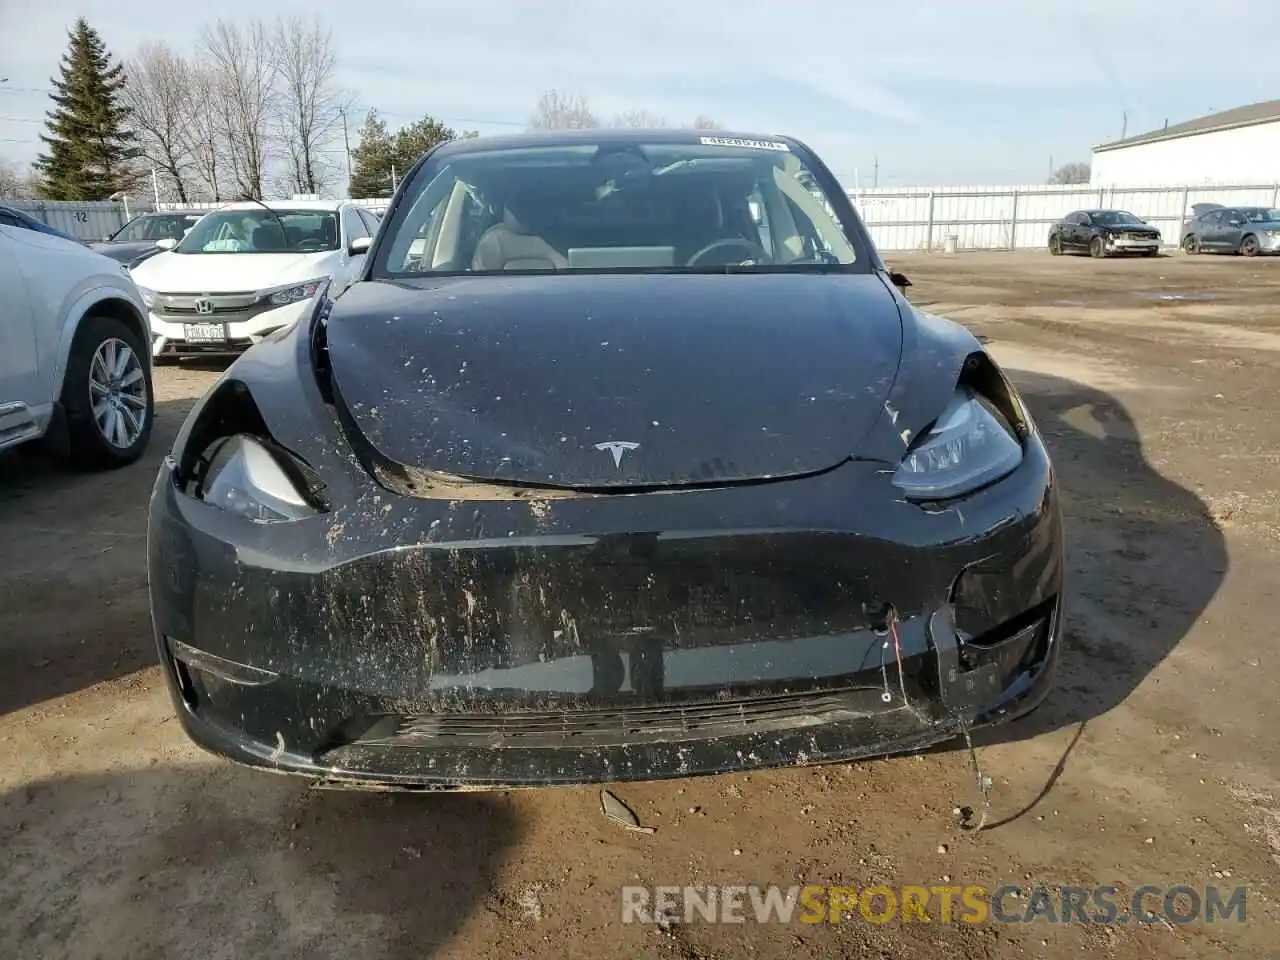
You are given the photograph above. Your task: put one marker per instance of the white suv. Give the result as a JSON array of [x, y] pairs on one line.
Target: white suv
[[74, 366], [248, 269]]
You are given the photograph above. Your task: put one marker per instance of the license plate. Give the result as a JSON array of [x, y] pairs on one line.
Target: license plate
[[205, 332]]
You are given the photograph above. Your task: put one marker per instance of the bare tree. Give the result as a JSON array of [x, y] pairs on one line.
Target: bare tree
[[14, 184], [557, 111], [703, 122], [159, 95], [1077, 172], [311, 104], [207, 147], [245, 75], [640, 119]]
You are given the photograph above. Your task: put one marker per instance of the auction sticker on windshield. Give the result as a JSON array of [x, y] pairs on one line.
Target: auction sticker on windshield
[[751, 144]]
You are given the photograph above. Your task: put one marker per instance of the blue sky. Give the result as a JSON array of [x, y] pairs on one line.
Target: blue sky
[[970, 91]]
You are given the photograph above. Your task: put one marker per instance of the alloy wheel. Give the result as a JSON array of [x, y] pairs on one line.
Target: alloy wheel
[[118, 393]]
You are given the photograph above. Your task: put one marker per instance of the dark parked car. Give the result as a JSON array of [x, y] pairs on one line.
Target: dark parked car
[[1245, 230], [1103, 233], [137, 239], [622, 458], [13, 217]]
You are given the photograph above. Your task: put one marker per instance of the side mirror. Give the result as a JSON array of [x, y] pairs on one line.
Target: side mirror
[[899, 280], [359, 246], [166, 243]]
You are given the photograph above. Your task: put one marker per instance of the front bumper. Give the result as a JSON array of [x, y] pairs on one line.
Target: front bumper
[[169, 336], [1120, 244], [479, 645]]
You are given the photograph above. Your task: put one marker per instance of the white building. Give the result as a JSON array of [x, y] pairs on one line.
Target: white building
[[1240, 146]]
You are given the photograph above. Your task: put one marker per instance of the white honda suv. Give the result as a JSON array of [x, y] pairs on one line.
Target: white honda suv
[[247, 269], [74, 366]]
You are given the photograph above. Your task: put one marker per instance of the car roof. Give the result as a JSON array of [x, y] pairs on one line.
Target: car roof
[[318, 205], [601, 135]]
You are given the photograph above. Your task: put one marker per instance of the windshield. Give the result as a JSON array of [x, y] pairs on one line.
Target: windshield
[[259, 231], [1262, 215], [154, 228], [1117, 218], [712, 205]]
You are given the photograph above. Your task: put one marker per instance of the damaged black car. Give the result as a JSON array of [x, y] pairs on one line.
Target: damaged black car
[[625, 458]]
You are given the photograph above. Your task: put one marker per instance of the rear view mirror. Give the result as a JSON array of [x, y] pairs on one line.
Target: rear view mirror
[[359, 246], [167, 243]]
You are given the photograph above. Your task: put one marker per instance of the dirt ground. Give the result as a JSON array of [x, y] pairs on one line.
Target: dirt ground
[[1157, 383]]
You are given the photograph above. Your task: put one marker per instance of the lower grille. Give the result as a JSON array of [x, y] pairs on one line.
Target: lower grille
[[619, 726]]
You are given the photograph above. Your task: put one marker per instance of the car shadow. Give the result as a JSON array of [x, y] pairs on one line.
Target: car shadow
[[1144, 556], [73, 569], [152, 862]]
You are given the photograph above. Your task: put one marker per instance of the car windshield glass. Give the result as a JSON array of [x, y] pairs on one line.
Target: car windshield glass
[[153, 228], [713, 205], [1262, 215], [259, 231], [1117, 218]]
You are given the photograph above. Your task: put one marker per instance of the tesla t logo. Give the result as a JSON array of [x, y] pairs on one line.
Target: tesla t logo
[[617, 448], [204, 306]]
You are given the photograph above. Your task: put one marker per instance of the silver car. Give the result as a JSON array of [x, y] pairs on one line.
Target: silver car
[[1248, 231]]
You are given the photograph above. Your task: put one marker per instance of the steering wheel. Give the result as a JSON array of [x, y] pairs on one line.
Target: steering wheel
[[753, 250], [310, 246]]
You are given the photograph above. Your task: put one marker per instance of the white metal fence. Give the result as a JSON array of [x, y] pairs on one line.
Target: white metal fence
[[899, 218], [1010, 218]]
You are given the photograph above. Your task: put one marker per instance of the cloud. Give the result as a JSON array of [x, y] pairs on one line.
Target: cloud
[[870, 77]]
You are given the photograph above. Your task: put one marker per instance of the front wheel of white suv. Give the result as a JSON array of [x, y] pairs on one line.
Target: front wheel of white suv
[[107, 397]]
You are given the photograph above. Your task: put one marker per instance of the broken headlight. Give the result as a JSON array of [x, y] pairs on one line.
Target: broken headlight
[[969, 446], [245, 477]]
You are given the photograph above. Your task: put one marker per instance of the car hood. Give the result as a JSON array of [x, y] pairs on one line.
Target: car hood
[[229, 272], [1128, 228], [124, 252], [615, 381]]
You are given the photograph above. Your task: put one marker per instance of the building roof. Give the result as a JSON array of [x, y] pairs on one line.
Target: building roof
[[1254, 113]]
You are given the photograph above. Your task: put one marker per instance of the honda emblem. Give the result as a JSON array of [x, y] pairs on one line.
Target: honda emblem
[[204, 306]]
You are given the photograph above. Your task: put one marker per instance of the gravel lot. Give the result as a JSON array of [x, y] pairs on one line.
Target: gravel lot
[[1155, 761]]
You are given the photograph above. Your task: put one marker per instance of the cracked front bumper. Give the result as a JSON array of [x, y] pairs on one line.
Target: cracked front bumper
[[423, 644]]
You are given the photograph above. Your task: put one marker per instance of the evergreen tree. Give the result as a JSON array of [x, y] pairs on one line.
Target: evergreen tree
[[372, 159], [382, 154], [411, 142], [89, 144]]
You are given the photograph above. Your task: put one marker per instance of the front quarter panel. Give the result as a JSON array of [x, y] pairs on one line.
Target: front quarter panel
[[933, 351], [65, 280]]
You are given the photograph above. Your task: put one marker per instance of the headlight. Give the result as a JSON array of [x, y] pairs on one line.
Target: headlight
[[968, 447], [293, 294], [148, 297], [245, 477]]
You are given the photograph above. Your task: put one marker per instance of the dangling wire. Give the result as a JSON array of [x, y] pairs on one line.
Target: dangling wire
[[984, 782]]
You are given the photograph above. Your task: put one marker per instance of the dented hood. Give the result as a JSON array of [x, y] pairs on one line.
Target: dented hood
[[612, 381]]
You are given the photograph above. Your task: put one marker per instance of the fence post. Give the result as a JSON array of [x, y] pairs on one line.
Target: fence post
[[1013, 223], [1275, 196], [1101, 202], [928, 233], [1186, 195]]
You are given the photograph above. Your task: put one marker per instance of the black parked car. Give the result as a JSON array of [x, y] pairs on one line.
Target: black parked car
[[1248, 231], [623, 458], [13, 217], [137, 239], [1102, 233]]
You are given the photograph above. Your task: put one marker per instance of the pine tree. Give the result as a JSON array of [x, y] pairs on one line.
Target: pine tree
[[411, 142], [371, 170], [89, 142]]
